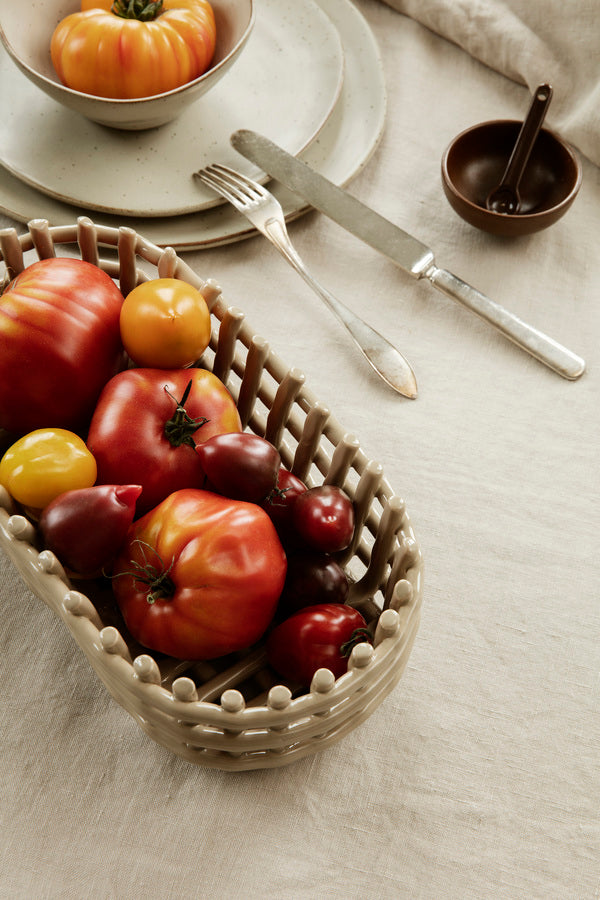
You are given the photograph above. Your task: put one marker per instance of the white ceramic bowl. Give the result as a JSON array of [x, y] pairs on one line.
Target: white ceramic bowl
[[26, 30]]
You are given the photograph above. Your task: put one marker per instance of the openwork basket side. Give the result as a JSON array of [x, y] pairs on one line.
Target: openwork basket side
[[236, 713]]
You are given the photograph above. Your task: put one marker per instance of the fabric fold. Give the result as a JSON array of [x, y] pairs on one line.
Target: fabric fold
[[531, 42]]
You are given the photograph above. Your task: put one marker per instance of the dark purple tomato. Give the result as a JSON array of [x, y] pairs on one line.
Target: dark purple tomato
[[86, 528], [312, 578], [314, 638], [240, 465], [324, 518]]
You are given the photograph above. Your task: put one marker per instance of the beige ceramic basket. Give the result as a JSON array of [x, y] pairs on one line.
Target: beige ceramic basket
[[235, 713]]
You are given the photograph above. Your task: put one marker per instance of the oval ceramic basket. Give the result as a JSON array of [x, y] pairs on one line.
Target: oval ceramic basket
[[235, 713]]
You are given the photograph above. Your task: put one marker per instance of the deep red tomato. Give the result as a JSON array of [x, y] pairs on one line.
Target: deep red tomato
[[86, 528], [240, 465], [324, 518], [200, 575], [60, 339], [279, 504], [146, 426], [317, 637]]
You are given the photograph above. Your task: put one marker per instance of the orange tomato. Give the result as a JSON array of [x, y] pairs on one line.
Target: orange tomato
[[97, 51], [165, 324]]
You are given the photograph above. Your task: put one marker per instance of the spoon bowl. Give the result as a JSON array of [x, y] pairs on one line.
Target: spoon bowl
[[474, 164]]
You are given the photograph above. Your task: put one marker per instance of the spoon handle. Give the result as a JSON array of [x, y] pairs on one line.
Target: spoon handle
[[534, 342], [527, 135]]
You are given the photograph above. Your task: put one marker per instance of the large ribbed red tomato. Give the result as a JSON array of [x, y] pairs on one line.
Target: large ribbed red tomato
[[59, 344], [200, 575]]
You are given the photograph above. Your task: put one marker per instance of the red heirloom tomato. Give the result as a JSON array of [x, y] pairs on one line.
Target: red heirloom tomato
[[86, 528], [240, 465], [60, 340], [324, 518], [147, 423], [135, 48], [200, 575], [317, 637]]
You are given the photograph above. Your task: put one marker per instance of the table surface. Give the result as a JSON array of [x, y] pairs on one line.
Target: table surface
[[478, 776]]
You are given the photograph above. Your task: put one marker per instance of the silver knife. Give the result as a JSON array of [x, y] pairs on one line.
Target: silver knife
[[406, 251]]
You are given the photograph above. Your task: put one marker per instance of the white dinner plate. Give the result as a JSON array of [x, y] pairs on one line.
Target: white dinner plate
[[287, 79], [344, 145]]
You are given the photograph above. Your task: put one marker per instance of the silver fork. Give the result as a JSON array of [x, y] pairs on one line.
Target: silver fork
[[266, 214]]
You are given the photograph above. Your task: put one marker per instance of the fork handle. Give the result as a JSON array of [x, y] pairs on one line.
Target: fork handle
[[387, 361]]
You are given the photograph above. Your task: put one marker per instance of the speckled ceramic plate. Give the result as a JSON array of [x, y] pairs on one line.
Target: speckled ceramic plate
[[287, 81], [343, 146]]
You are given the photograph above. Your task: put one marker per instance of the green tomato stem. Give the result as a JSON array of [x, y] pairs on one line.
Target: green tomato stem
[[162, 587], [358, 636], [142, 10], [181, 427]]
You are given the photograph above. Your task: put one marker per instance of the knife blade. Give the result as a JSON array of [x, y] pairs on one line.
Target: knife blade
[[409, 253]]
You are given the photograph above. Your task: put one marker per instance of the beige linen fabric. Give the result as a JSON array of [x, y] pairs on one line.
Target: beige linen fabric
[[478, 777], [557, 41]]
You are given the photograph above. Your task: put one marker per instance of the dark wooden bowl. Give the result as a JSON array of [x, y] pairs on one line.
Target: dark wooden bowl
[[474, 164]]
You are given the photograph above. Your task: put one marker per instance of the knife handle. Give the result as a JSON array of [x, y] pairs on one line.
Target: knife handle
[[539, 345]]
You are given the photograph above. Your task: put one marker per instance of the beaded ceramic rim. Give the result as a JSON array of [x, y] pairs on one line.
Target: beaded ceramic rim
[[235, 713]]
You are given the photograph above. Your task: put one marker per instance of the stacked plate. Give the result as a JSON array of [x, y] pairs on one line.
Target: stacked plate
[[310, 79]]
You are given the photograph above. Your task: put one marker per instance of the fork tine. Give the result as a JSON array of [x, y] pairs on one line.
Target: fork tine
[[226, 177], [218, 184], [239, 179]]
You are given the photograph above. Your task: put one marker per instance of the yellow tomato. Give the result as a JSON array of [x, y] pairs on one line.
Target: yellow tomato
[[45, 463], [165, 324], [134, 48]]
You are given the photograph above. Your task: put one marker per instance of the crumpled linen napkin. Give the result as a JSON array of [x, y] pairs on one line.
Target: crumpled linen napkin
[[531, 41]]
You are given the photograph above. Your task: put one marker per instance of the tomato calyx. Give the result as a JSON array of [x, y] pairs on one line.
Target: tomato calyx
[[276, 496], [142, 10], [181, 427], [358, 636], [162, 586]]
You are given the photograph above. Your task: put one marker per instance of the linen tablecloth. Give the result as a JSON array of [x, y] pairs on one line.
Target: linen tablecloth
[[478, 776], [531, 42]]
